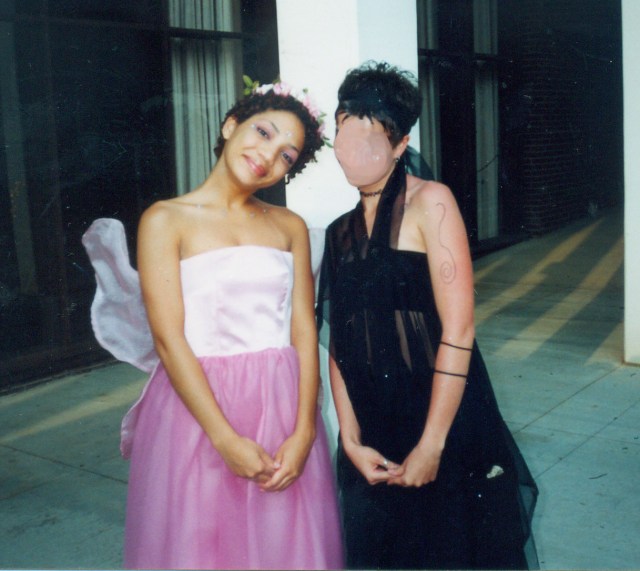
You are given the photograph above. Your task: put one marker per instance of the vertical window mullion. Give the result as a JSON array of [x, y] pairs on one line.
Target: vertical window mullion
[[486, 110], [429, 88]]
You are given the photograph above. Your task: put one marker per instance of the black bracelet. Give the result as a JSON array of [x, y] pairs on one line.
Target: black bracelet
[[452, 374], [455, 346]]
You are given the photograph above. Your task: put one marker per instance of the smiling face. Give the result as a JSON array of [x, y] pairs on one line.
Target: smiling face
[[261, 150]]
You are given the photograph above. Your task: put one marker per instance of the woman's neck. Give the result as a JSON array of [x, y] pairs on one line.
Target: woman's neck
[[370, 193], [224, 191]]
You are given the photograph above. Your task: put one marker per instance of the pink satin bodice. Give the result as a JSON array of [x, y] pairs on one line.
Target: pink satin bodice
[[237, 299], [246, 288]]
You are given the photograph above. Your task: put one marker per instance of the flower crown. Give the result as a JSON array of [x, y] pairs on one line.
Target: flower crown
[[286, 90]]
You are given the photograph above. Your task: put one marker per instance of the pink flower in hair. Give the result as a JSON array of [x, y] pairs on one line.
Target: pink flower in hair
[[310, 104], [285, 90], [282, 88]]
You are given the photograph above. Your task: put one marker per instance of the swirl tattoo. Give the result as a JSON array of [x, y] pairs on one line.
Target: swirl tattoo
[[448, 268]]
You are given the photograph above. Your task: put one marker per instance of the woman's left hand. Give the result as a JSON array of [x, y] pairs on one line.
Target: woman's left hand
[[290, 460], [419, 468]]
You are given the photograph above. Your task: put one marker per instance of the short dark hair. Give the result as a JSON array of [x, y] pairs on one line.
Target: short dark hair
[[381, 91], [258, 103]]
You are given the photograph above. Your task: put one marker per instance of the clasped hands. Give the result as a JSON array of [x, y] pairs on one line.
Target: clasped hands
[[249, 460], [420, 467]]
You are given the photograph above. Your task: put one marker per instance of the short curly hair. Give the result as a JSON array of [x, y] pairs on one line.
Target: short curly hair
[[255, 103], [381, 91]]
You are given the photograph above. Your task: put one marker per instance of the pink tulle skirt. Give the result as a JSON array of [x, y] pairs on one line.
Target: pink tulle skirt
[[186, 509]]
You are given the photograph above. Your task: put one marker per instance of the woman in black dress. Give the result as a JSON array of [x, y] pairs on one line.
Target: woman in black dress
[[429, 474]]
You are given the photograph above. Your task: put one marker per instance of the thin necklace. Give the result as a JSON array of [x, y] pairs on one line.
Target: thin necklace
[[370, 194], [224, 212]]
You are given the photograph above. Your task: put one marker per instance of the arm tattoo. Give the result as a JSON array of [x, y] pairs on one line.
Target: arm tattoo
[[448, 268]]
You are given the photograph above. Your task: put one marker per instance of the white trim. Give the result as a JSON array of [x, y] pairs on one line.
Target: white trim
[[631, 88], [318, 43]]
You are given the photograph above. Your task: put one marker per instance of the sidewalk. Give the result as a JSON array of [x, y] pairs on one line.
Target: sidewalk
[[549, 315], [549, 323]]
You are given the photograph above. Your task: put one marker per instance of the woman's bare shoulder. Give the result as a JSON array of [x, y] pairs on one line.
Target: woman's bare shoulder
[[284, 217], [172, 210], [167, 220], [427, 192]]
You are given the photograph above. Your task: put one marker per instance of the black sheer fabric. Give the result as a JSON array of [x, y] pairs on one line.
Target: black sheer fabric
[[384, 335]]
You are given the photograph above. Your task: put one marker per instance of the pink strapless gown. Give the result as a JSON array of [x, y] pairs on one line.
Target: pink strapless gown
[[185, 508]]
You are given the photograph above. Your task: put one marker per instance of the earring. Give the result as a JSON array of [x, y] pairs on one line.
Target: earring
[[397, 160]]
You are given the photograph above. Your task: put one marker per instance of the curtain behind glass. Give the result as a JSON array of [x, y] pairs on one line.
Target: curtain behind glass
[[206, 77], [429, 88]]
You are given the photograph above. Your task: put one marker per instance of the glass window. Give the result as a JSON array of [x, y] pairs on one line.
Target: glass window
[[10, 8], [459, 122], [103, 109], [142, 11], [206, 80]]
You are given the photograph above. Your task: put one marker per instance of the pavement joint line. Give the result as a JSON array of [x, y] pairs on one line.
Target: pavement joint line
[[588, 437], [61, 463], [568, 398], [28, 489]]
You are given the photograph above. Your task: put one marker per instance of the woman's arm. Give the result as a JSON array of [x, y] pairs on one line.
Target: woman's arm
[[293, 453], [369, 462], [440, 224], [159, 270]]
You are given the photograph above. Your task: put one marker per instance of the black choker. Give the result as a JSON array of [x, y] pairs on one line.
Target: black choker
[[370, 194]]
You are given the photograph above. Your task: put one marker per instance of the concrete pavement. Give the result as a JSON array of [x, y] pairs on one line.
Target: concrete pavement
[[549, 323]]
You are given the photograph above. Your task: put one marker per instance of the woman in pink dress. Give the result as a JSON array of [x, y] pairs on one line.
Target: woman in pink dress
[[229, 459]]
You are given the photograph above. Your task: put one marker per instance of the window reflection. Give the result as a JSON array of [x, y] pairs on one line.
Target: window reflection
[[103, 107]]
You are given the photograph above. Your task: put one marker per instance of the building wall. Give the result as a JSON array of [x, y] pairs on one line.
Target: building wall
[[73, 172], [567, 71], [319, 42], [566, 148]]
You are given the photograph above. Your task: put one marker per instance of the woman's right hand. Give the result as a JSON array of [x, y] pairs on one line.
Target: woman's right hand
[[370, 463], [247, 459]]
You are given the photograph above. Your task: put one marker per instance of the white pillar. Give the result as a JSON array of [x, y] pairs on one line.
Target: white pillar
[[631, 80], [318, 43]]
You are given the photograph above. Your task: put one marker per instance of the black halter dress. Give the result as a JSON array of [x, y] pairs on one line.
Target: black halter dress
[[384, 335]]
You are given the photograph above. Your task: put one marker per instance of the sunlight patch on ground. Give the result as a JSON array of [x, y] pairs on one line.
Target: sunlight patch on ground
[[536, 276], [551, 321], [114, 398]]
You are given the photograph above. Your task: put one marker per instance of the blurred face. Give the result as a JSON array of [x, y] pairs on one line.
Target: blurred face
[[363, 150], [261, 150]]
